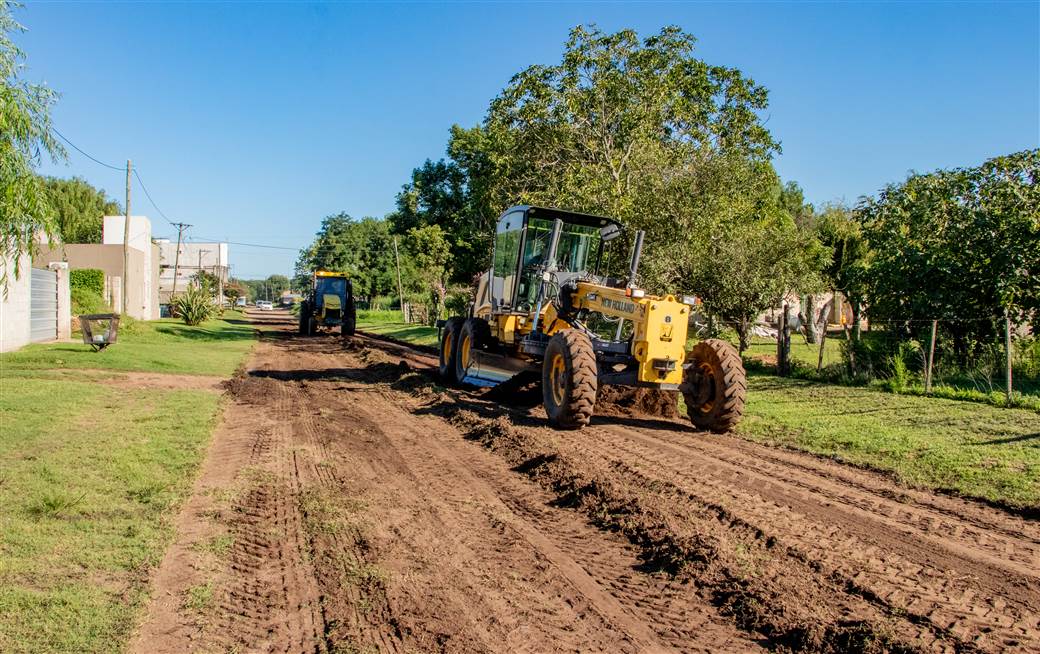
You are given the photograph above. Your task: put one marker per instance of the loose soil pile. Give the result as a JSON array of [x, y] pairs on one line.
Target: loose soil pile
[[369, 510]]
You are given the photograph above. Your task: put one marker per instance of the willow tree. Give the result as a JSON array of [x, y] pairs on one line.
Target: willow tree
[[25, 137]]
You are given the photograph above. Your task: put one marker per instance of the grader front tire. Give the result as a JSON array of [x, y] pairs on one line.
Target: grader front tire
[[569, 379], [716, 402], [449, 350]]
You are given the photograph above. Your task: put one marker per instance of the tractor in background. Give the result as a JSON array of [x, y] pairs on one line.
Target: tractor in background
[[329, 305], [536, 311]]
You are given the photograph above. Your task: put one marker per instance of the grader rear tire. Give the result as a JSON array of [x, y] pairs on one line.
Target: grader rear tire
[[569, 379], [449, 350], [717, 402]]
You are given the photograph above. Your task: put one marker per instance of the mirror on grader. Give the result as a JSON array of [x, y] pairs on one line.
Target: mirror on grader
[[532, 313]]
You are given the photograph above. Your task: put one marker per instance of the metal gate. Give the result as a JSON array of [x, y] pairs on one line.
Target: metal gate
[[43, 305]]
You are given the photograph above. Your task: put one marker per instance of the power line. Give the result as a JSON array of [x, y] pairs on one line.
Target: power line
[[77, 149], [149, 196]]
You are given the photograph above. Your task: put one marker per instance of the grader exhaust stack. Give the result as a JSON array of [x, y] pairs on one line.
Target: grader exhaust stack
[[535, 312]]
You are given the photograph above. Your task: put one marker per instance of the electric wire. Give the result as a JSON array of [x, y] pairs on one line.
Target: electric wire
[[78, 149], [149, 196]]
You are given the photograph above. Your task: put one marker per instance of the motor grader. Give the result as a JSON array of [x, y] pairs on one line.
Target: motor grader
[[544, 307]]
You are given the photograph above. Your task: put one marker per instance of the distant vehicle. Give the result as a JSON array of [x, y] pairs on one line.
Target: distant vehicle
[[329, 305], [264, 305], [241, 302]]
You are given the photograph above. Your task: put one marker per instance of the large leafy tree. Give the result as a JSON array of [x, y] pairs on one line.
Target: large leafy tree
[[79, 209], [363, 248], [846, 272], [961, 246], [638, 129], [25, 138]]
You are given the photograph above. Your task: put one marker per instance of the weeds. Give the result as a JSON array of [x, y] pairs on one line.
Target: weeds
[[54, 504], [198, 598]]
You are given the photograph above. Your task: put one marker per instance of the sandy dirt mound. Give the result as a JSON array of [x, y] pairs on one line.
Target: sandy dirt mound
[[627, 401]]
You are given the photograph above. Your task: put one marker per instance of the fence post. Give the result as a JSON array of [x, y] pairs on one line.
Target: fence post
[[783, 343], [823, 341], [1007, 351], [931, 357]]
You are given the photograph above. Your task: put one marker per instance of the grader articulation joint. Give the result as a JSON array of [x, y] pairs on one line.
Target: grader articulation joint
[[544, 307]]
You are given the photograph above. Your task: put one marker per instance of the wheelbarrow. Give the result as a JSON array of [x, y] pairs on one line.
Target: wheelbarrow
[[99, 329]]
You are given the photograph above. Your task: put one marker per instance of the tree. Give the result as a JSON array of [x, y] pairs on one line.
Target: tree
[[206, 282], [235, 289], [751, 267], [438, 195], [430, 251], [839, 231], [25, 135], [362, 248], [80, 209], [640, 130], [961, 246]]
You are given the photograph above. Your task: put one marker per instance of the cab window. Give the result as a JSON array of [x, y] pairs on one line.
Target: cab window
[[508, 235]]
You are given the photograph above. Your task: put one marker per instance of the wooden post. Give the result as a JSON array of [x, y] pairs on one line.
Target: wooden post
[[823, 341], [400, 289], [126, 239], [848, 338], [1007, 350], [931, 357], [783, 343]]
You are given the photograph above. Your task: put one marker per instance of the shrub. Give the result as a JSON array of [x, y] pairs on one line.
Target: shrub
[[85, 300], [458, 300], [194, 306], [87, 280]]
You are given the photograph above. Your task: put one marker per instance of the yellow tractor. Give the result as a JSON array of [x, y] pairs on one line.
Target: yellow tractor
[[543, 306]]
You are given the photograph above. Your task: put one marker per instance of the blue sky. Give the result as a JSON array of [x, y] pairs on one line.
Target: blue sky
[[253, 121]]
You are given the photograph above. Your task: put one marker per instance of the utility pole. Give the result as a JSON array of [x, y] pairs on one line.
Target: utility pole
[[400, 290], [201, 269], [126, 237], [177, 257]]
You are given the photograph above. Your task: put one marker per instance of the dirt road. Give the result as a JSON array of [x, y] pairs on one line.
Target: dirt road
[[348, 504]]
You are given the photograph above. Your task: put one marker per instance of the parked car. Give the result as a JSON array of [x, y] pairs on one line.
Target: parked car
[[264, 305]]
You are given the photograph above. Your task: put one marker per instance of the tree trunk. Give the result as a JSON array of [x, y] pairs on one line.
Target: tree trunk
[[743, 327], [808, 318], [857, 309]]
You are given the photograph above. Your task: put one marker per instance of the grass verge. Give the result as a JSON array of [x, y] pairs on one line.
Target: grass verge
[[90, 479], [972, 449], [388, 323], [213, 348], [91, 475]]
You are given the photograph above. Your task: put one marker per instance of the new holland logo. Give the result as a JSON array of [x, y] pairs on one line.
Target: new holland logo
[[618, 305]]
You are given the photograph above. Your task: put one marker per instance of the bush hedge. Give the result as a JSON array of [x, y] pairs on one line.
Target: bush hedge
[[88, 279]]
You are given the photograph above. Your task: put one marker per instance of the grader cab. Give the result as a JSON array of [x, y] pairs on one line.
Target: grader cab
[[543, 307]]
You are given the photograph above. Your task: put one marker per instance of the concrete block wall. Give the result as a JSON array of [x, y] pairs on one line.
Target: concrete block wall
[[14, 304]]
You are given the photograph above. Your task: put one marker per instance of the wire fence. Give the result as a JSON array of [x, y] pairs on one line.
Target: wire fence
[[995, 358]]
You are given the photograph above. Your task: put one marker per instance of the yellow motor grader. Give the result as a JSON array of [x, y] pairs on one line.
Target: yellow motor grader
[[533, 310]]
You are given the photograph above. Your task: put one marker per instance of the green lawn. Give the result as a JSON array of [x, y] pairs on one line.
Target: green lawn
[[973, 449], [215, 347], [91, 475], [761, 347], [388, 323]]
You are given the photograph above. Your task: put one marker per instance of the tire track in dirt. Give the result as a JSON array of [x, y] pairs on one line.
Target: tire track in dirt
[[470, 506], [373, 511], [911, 555], [934, 583]]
